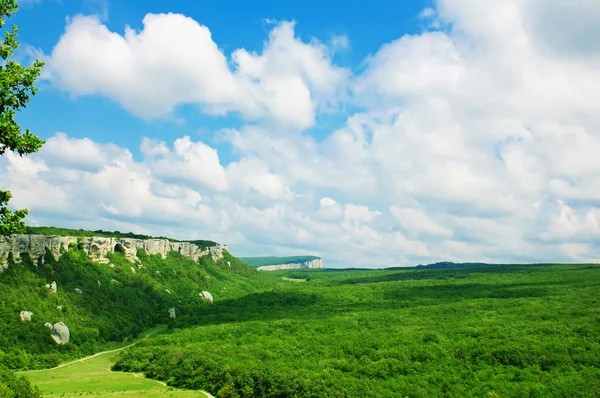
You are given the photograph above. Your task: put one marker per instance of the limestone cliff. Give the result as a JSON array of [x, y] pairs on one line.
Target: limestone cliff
[[317, 263], [35, 246]]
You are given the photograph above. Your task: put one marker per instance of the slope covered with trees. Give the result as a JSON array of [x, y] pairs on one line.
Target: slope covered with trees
[[529, 331], [103, 303]]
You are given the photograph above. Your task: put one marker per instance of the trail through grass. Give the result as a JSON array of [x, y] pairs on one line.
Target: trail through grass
[[92, 376]]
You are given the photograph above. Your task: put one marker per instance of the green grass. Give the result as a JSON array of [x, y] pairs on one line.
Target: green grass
[[93, 377]]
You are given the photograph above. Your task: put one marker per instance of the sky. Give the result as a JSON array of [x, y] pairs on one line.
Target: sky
[[371, 133]]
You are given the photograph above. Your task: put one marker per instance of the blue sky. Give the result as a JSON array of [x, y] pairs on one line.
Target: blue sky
[[370, 25], [371, 133]]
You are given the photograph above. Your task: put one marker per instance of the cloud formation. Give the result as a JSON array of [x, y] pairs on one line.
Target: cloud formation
[[476, 140], [173, 60]]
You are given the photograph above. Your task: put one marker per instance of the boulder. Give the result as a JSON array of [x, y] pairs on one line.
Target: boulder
[[59, 307], [48, 325], [172, 313], [78, 290], [60, 333], [206, 296], [26, 316], [52, 286]]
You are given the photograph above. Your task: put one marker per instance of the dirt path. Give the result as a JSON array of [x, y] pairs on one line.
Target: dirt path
[[80, 359]]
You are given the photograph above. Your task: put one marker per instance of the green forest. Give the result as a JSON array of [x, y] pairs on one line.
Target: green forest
[[489, 331], [521, 331]]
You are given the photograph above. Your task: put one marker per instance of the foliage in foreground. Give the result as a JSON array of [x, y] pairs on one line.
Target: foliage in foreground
[[115, 304], [13, 386], [16, 82], [525, 331]]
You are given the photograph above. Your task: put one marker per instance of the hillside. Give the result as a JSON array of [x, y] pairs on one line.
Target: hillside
[[103, 302]]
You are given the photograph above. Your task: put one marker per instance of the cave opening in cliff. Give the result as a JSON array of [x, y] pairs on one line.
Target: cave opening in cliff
[[119, 248]]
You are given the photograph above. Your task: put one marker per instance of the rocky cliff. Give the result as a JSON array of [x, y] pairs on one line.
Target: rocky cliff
[[35, 246], [317, 263]]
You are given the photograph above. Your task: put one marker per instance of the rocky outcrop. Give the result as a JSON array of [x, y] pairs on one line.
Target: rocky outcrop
[[52, 286], [172, 314], [60, 333], [48, 325], [206, 296], [35, 246], [26, 316], [318, 263]]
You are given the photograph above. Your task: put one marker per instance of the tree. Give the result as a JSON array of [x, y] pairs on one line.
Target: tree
[[16, 82]]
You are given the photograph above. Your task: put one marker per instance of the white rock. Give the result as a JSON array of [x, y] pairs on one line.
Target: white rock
[[59, 307], [133, 270], [168, 291], [172, 313], [78, 290], [114, 281], [96, 248], [48, 325], [99, 283], [26, 316], [52, 286], [206, 296], [60, 333]]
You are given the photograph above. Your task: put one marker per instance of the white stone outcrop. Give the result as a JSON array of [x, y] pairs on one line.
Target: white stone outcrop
[[78, 290], [26, 316], [60, 333], [48, 325], [96, 247], [317, 263], [206, 296], [172, 313], [52, 286]]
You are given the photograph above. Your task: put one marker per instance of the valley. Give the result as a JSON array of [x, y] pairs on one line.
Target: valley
[[510, 330]]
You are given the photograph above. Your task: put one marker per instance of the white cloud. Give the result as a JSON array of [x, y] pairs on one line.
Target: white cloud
[[475, 143], [173, 60]]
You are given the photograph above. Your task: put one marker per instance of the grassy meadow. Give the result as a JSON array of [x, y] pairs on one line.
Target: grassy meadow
[[94, 377], [512, 331]]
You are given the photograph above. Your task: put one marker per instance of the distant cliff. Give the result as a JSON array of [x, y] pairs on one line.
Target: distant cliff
[[281, 263], [97, 247]]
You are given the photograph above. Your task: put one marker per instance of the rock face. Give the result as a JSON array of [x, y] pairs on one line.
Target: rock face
[[172, 313], [26, 316], [318, 263], [35, 246], [60, 333], [206, 296]]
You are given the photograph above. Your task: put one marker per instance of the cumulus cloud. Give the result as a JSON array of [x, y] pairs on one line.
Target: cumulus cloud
[[475, 142], [173, 60]]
